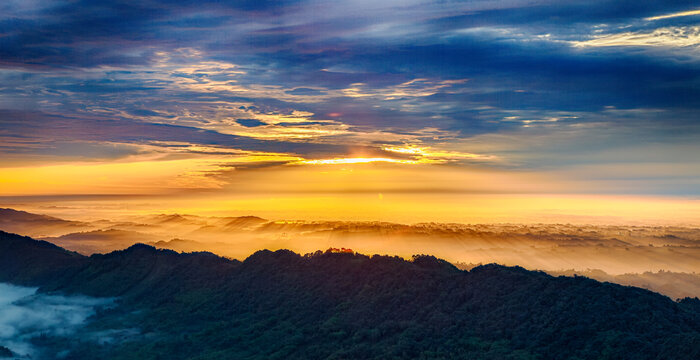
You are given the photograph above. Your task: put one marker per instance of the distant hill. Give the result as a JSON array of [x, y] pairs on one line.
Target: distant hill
[[5, 353], [37, 225], [327, 305], [549, 247], [26, 261], [673, 284], [676, 285], [90, 242]]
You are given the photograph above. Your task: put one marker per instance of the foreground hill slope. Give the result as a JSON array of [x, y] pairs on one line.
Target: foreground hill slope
[[348, 306]]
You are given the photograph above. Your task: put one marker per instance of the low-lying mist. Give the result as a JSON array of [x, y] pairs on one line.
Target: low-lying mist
[[26, 315], [613, 249]]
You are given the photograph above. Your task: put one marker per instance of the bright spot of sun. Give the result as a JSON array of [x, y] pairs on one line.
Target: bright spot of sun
[[356, 161]]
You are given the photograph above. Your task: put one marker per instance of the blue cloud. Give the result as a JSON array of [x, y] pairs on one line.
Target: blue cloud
[[304, 91], [251, 122]]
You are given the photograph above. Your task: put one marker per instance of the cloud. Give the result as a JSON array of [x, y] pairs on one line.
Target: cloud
[[54, 127], [251, 122], [26, 314], [662, 37], [318, 80], [673, 15]]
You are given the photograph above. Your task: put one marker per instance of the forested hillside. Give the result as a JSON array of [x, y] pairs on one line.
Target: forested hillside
[[345, 306]]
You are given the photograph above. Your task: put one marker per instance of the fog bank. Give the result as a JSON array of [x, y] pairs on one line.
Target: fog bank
[[26, 314]]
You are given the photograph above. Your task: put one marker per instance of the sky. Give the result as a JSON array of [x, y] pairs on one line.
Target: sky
[[464, 111]]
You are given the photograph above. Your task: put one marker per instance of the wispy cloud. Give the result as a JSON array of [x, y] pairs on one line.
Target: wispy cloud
[[674, 15], [671, 37]]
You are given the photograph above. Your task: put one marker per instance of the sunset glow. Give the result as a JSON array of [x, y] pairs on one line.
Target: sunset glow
[[349, 179], [460, 112], [356, 161]]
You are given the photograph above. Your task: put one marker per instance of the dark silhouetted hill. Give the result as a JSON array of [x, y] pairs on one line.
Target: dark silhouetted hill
[[5, 353], [281, 305], [25, 261]]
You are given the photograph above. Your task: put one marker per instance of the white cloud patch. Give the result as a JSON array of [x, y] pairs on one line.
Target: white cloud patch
[[674, 15], [669, 37], [26, 314]]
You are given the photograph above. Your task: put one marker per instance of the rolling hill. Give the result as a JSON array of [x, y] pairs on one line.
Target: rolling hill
[[326, 305]]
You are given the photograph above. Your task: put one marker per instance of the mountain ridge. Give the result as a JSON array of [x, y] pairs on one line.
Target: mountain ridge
[[279, 304]]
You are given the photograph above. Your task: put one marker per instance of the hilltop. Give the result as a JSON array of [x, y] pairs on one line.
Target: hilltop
[[341, 305]]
